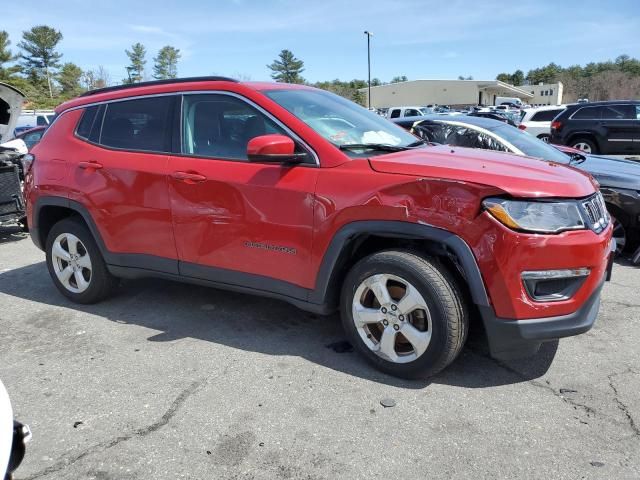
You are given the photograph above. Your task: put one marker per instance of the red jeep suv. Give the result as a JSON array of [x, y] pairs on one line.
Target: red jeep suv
[[295, 193]]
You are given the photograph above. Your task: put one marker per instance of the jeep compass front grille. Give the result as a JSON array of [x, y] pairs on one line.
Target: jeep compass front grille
[[596, 213]]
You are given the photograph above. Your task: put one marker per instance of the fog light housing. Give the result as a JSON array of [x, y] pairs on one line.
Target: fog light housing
[[553, 285]]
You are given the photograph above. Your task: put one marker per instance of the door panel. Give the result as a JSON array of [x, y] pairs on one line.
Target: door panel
[[254, 218], [618, 124], [126, 191], [229, 213]]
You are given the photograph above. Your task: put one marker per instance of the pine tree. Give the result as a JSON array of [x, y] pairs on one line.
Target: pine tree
[[135, 69], [40, 57], [69, 80], [166, 63], [287, 69]]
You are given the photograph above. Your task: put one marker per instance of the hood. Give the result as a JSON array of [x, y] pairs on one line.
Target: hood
[[516, 175], [10, 107], [612, 172]]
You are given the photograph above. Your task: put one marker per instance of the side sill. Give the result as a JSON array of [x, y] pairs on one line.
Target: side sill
[[133, 272]]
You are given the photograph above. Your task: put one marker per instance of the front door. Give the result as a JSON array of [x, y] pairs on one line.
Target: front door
[[235, 221]]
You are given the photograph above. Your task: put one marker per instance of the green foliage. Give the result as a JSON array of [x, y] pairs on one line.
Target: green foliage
[[398, 79], [137, 61], [69, 80], [287, 68], [40, 59], [6, 56], [166, 63]]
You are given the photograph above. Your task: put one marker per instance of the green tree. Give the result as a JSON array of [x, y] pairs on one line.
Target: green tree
[[400, 78], [6, 56], [137, 61], [504, 77], [69, 79], [517, 78], [359, 97], [40, 58], [287, 68], [166, 63]]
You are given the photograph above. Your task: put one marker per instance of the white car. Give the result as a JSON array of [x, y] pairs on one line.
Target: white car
[[34, 118], [401, 112], [537, 121], [13, 436]]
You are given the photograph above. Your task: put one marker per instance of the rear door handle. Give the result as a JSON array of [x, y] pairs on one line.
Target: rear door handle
[[188, 177], [90, 165]]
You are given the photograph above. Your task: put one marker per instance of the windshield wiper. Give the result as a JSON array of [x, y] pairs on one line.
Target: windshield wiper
[[383, 147], [372, 146]]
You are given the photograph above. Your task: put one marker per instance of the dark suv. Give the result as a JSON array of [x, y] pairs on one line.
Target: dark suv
[[295, 193], [599, 127]]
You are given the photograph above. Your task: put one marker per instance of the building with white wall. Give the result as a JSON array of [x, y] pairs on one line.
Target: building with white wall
[[445, 92], [544, 93]]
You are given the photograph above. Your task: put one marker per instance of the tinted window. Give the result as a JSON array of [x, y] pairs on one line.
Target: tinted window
[[528, 144], [619, 112], [637, 112], [41, 121], [411, 112], [87, 122], [221, 126], [545, 115], [588, 113], [141, 124], [395, 113], [32, 138]]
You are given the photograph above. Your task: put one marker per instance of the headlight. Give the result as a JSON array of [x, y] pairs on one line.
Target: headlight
[[535, 216]]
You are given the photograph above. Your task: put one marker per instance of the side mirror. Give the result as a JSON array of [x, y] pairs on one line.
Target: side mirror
[[273, 149]]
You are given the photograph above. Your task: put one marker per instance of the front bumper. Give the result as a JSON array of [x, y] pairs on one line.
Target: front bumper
[[520, 338]]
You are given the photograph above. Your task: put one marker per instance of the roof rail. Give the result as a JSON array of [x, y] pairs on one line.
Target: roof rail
[[157, 82]]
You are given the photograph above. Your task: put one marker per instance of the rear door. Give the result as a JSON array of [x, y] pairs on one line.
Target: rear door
[[620, 124], [236, 219], [119, 173]]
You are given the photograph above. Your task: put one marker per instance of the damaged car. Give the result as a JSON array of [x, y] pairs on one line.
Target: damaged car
[[12, 205]]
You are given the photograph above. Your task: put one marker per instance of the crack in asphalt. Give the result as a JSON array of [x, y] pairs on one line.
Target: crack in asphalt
[[623, 408], [139, 432], [621, 304], [589, 410]]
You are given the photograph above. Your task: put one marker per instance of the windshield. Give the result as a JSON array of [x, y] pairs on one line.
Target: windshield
[[339, 120], [530, 145]]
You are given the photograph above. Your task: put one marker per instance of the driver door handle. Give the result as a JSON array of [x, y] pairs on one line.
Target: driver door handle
[[90, 165], [189, 177]]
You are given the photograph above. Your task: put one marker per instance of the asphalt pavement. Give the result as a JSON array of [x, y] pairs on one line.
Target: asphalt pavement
[[167, 381]]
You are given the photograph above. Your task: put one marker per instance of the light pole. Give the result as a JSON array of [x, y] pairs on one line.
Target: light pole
[[369, 35]]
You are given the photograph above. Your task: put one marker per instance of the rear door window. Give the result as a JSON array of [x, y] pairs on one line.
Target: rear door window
[[395, 113], [142, 124], [588, 113]]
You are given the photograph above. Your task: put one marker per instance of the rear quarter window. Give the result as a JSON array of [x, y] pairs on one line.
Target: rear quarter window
[[545, 115], [88, 123], [588, 113]]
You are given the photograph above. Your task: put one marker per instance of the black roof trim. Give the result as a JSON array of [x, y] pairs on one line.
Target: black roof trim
[[158, 82]]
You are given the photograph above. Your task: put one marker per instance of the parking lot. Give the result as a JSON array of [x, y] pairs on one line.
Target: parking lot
[[175, 381]]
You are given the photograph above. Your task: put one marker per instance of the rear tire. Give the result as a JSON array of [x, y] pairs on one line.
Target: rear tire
[[546, 138], [415, 329], [585, 145], [75, 263]]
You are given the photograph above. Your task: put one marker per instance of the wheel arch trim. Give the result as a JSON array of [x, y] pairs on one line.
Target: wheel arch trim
[[349, 233]]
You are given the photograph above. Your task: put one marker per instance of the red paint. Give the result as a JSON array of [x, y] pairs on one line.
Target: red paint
[[205, 211]]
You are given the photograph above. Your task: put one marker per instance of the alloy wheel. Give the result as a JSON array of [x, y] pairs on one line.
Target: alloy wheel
[[619, 235], [392, 318], [585, 147], [71, 262]]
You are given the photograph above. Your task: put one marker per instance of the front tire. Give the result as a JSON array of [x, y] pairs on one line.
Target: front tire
[[405, 313], [75, 263]]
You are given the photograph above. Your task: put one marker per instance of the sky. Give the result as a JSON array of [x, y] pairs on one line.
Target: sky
[[416, 38]]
